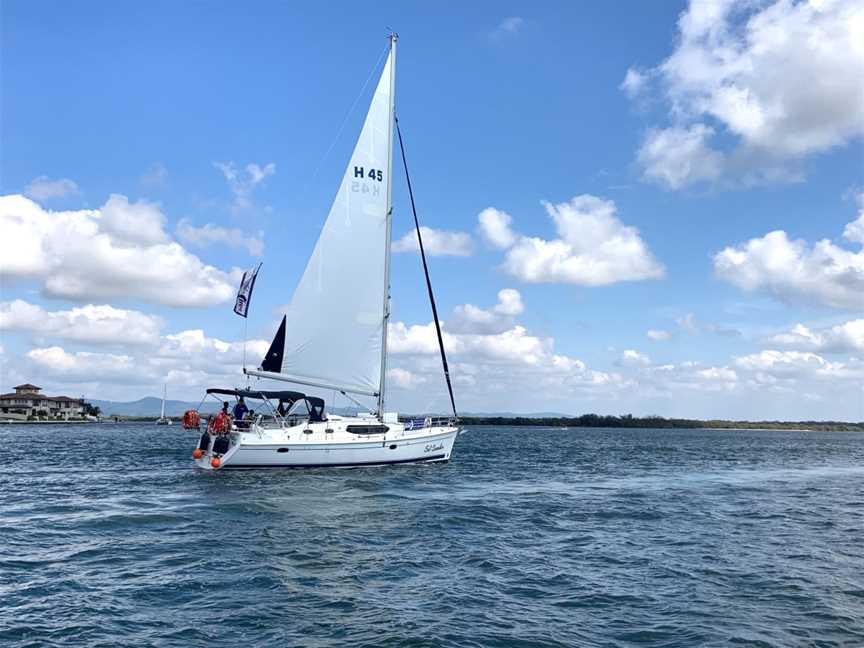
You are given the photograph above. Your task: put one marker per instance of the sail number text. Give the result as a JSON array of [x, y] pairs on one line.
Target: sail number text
[[367, 174]]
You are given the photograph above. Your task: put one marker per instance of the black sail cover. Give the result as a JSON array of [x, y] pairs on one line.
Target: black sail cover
[[273, 360]]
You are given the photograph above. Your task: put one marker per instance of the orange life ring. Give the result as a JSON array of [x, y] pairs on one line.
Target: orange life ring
[[191, 420]]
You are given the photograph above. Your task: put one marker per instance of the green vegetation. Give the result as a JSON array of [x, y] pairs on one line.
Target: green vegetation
[[629, 421]]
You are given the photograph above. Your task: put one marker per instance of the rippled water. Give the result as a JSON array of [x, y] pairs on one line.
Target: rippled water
[[529, 537]]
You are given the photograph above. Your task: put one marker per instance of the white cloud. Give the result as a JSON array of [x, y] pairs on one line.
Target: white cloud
[[243, 182], [189, 359], [594, 248], [507, 28], [101, 253], [509, 302], [841, 338], [785, 369], [679, 156], [95, 324], [436, 242], [633, 358], [209, 234], [854, 231], [468, 318], [792, 271], [138, 224], [83, 365], [658, 335], [634, 83], [495, 228], [43, 188], [782, 80], [690, 376], [404, 378]]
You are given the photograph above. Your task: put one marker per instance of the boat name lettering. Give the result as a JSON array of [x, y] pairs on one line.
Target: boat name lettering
[[432, 447]]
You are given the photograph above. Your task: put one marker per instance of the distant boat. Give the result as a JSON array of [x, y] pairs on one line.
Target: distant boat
[[163, 420], [334, 337]]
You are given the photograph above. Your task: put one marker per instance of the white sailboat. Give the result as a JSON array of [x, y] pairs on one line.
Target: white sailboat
[[334, 336], [163, 420]]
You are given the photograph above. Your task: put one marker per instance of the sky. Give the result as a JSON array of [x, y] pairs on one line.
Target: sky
[[655, 208]]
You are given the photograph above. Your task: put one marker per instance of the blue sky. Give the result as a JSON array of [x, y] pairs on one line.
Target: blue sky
[[727, 128]]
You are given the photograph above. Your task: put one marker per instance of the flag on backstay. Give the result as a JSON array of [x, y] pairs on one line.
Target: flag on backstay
[[244, 294]]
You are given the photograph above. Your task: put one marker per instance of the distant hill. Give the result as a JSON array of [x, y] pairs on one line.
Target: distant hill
[[151, 406]]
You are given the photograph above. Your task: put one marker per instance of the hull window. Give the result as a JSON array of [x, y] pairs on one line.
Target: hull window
[[367, 429]]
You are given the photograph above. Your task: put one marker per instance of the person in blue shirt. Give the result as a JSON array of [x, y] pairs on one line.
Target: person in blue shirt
[[240, 410]]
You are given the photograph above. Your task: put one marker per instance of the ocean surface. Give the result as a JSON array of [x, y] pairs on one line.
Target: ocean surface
[[529, 537]]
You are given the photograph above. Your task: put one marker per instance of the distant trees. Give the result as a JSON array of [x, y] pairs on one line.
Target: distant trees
[[630, 421], [91, 410]]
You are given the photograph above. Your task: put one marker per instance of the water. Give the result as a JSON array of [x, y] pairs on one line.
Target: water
[[530, 537]]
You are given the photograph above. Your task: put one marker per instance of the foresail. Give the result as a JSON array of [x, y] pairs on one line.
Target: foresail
[[333, 324]]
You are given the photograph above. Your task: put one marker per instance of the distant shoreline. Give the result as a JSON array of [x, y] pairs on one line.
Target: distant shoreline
[[611, 422], [595, 421]]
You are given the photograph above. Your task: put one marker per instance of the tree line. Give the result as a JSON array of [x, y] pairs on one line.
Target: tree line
[[630, 421]]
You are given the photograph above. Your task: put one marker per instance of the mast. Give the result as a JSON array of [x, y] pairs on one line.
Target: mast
[[386, 318], [164, 393]]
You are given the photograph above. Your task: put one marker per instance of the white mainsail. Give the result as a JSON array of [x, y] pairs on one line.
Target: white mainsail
[[334, 322]]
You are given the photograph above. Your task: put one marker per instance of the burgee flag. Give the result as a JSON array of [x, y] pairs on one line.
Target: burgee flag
[[244, 294]]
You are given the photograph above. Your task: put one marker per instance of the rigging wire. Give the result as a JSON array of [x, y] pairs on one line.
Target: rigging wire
[[345, 120], [426, 270]]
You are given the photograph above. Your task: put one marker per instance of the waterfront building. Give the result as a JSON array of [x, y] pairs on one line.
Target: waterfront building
[[27, 400]]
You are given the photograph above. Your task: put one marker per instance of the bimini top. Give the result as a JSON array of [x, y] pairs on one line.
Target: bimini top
[[291, 396]]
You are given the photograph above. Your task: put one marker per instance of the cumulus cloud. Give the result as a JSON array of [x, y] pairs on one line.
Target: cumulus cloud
[[436, 242], [83, 365], [119, 250], [594, 248], [792, 271], [495, 228], [689, 375], [841, 338], [188, 358], [679, 156], [404, 378], [782, 80], [210, 234], [658, 335], [101, 324], [44, 188], [468, 318], [854, 231], [786, 369], [243, 182], [633, 358]]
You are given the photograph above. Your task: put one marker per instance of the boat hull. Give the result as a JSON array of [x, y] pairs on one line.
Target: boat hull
[[250, 450]]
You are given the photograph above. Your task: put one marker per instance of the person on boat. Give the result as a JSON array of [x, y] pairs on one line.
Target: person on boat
[[281, 408], [240, 410]]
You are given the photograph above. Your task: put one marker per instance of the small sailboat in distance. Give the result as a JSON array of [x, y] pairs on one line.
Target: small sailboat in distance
[[163, 420], [333, 336]]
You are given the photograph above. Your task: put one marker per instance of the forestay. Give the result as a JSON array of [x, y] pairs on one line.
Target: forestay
[[333, 328]]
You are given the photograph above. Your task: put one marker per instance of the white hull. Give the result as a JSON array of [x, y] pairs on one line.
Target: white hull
[[329, 444]]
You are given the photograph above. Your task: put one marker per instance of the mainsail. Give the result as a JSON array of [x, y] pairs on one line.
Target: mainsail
[[334, 325]]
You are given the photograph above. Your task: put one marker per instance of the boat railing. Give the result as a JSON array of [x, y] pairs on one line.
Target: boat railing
[[422, 422]]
